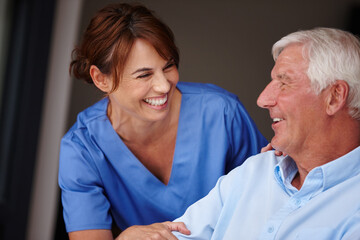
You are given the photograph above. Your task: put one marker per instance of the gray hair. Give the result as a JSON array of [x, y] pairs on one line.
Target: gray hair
[[333, 55]]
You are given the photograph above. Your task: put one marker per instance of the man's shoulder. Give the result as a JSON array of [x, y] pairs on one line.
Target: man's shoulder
[[257, 165]]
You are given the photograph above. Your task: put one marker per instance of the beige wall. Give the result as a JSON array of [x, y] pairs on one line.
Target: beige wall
[[224, 42], [228, 42]]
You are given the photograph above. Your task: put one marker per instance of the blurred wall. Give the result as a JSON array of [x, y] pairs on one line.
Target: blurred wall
[[227, 42]]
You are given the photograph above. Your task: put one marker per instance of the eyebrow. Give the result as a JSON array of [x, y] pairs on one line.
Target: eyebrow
[[141, 70], [283, 76], [144, 69]]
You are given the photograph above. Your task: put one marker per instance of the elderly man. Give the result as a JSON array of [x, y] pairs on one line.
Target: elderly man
[[314, 191]]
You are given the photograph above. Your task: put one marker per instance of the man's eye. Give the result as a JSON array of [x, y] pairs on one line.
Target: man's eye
[[281, 83]]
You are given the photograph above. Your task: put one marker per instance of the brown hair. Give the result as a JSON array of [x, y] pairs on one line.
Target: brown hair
[[109, 38]]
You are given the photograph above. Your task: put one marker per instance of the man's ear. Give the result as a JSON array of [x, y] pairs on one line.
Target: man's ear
[[102, 81], [337, 98]]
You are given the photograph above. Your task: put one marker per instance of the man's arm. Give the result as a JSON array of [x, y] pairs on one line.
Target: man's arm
[[202, 217], [351, 228]]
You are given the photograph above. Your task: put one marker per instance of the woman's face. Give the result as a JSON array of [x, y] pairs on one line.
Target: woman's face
[[146, 88]]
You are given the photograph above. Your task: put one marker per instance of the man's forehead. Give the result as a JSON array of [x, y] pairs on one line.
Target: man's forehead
[[290, 54], [289, 62], [282, 69]]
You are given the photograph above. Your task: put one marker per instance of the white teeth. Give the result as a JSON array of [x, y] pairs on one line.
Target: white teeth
[[156, 101], [277, 119]]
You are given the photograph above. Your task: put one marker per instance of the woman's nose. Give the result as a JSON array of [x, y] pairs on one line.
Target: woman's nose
[[161, 83]]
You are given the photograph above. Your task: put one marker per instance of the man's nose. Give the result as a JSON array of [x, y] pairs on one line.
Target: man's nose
[[267, 97]]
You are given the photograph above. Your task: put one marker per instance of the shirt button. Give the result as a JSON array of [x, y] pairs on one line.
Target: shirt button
[[298, 202], [270, 229]]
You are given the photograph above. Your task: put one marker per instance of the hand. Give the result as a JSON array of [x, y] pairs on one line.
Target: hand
[[269, 147], [156, 231]]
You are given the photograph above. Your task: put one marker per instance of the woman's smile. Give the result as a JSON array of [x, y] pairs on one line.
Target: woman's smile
[[157, 102]]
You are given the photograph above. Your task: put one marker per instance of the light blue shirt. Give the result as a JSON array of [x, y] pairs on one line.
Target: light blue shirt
[[102, 181], [257, 201]]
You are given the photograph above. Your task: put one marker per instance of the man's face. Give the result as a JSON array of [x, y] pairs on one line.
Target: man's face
[[297, 112]]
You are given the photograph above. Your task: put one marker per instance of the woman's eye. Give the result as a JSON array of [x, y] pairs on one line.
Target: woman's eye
[[169, 66], [144, 75]]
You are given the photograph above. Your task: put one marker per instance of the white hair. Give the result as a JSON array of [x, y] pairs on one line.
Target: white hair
[[333, 55]]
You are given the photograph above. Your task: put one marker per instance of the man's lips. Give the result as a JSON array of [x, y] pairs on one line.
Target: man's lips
[[276, 120]]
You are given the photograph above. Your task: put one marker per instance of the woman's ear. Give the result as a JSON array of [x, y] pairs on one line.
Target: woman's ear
[[102, 81], [337, 98]]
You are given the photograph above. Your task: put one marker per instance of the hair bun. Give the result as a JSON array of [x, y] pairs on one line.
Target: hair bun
[[80, 66]]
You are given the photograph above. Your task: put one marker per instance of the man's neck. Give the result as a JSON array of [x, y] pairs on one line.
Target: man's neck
[[336, 143]]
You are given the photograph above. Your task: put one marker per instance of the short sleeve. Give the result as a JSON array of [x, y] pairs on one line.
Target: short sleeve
[[85, 205], [244, 137]]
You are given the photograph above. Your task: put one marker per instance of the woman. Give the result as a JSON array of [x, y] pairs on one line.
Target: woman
[[153, 145]]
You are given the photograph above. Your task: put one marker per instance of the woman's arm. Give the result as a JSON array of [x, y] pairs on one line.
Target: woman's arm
[[156, 231], [98, 234]]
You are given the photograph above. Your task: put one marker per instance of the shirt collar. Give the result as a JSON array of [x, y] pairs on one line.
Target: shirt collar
[[341, 169], [284, 172], [320, 178]]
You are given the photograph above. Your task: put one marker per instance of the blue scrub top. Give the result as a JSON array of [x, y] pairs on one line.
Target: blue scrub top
[[101, 180]]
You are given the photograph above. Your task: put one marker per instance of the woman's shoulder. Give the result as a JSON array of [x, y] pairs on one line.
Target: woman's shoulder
[[93, 113], [206, 90]]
